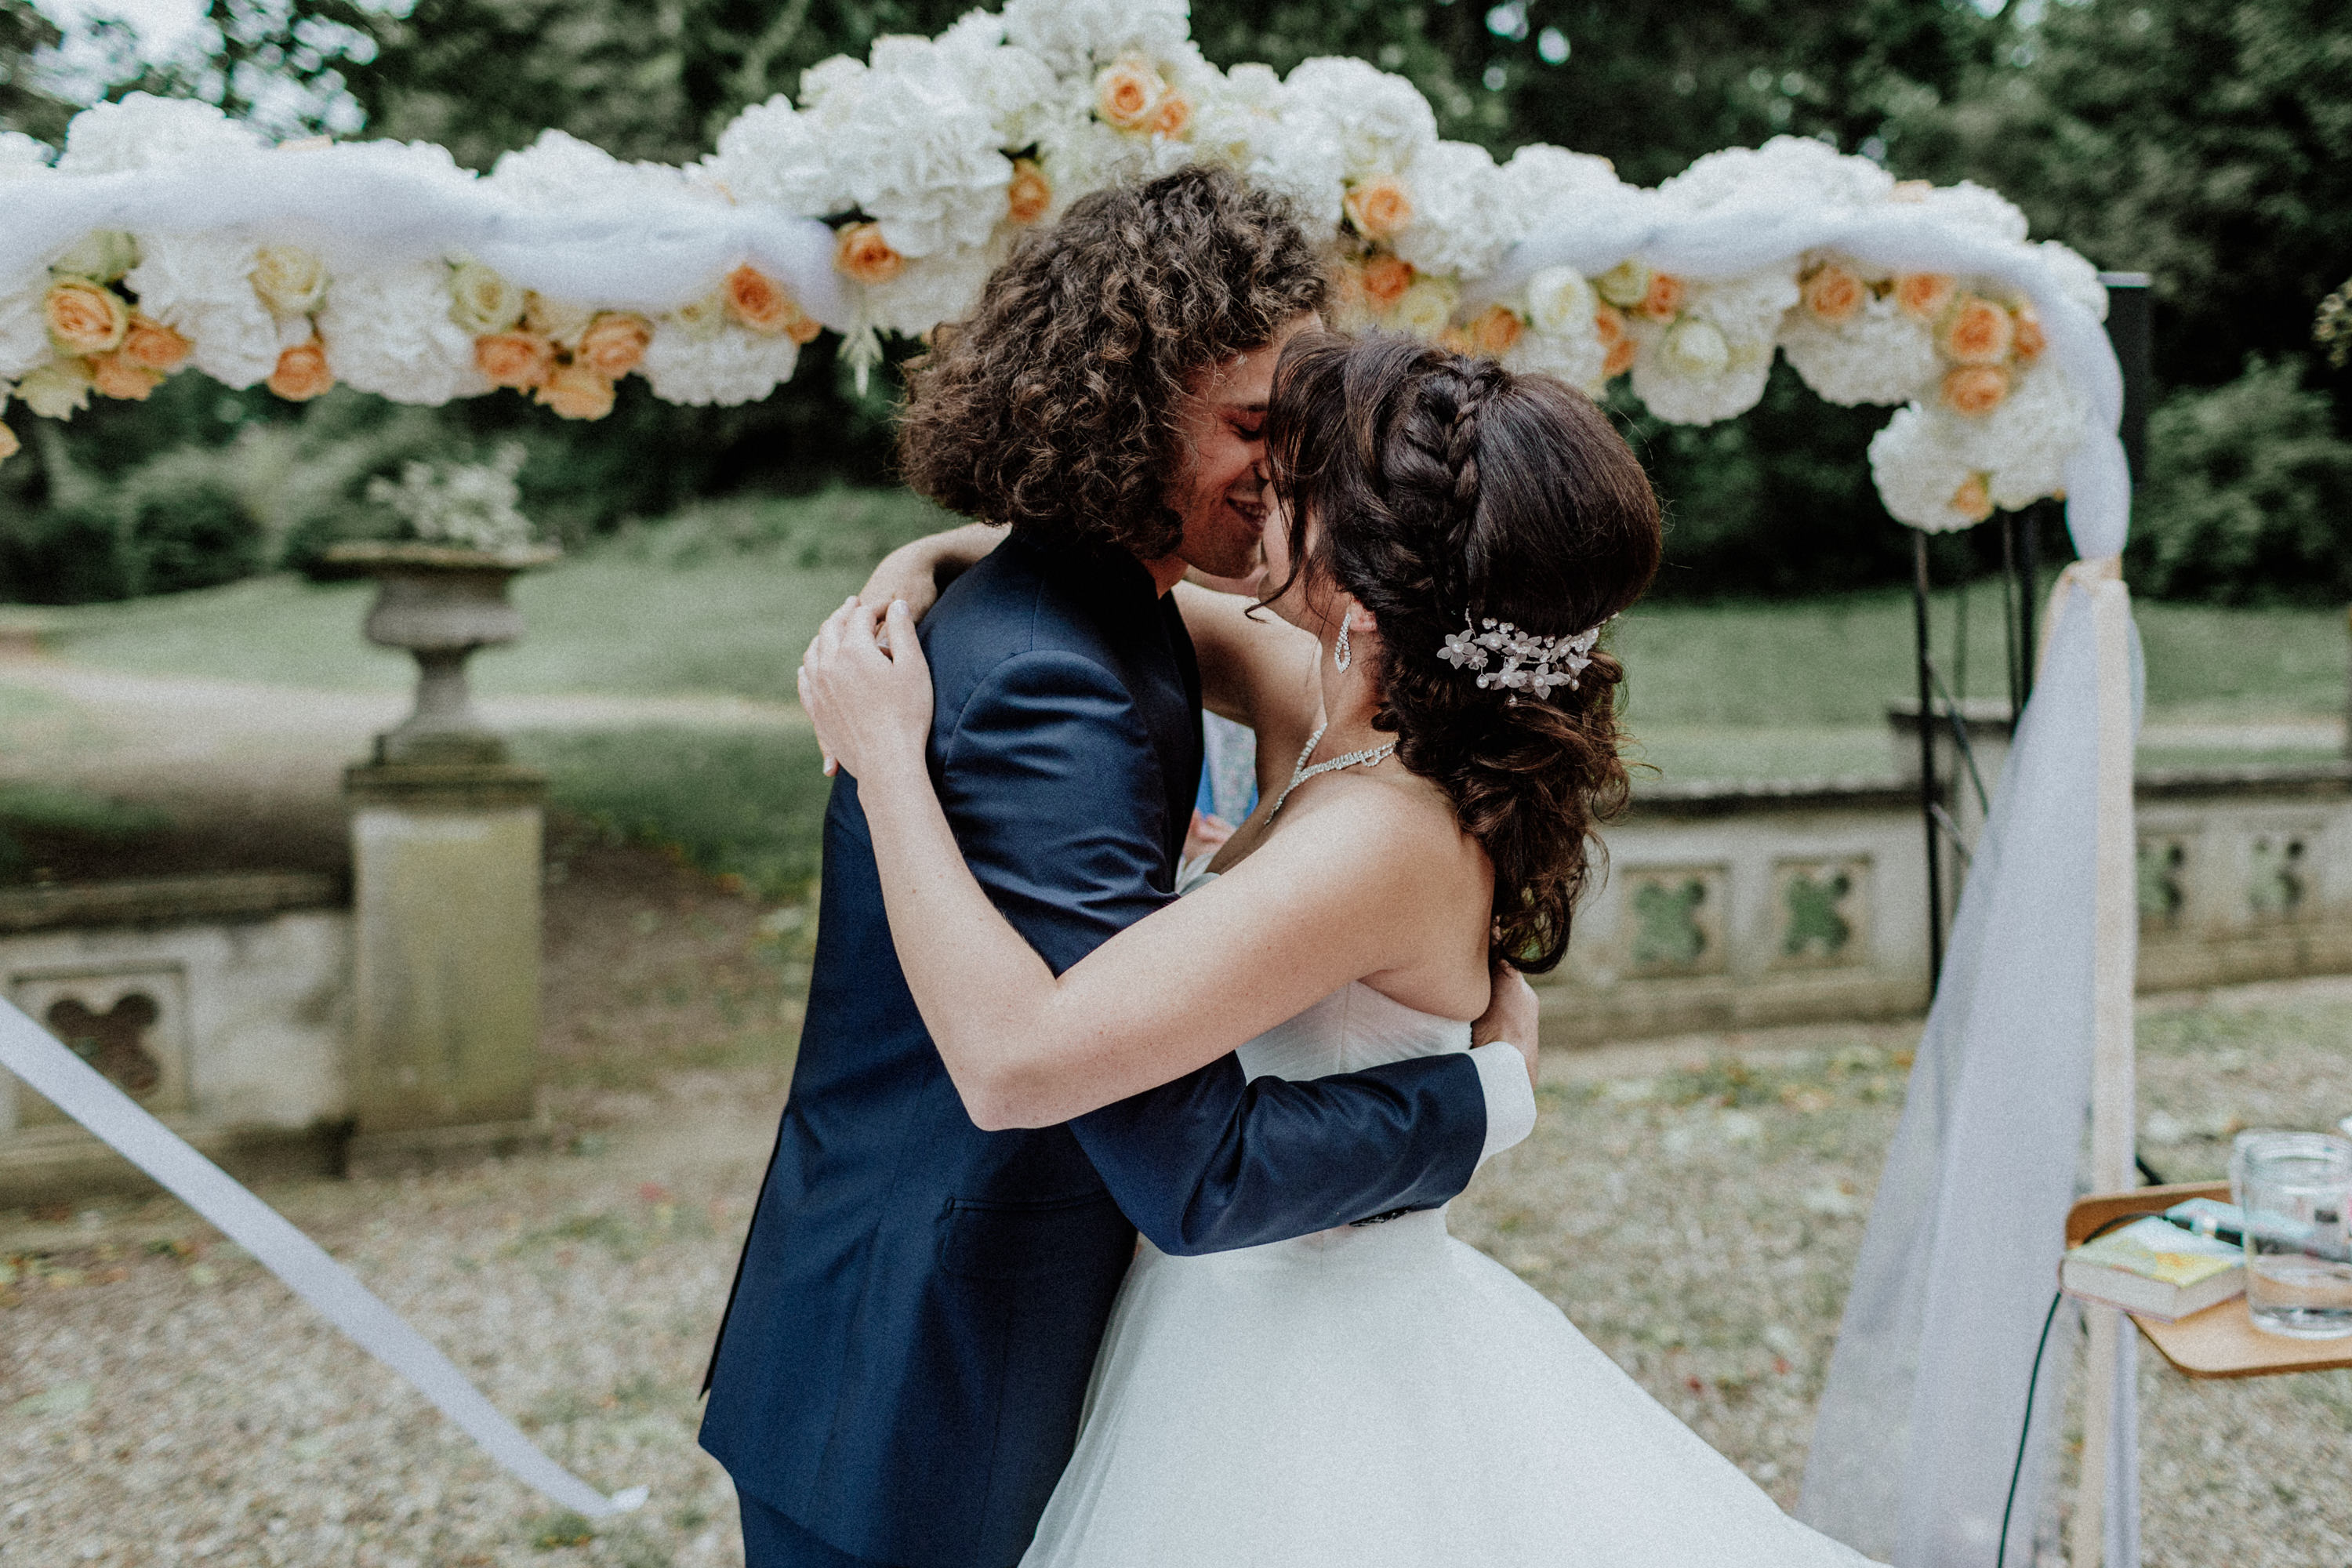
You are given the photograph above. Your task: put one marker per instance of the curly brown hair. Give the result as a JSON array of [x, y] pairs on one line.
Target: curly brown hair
[[1450, 490], [1056, 407]]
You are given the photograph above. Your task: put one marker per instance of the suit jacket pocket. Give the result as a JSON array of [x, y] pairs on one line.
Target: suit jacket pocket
[[1028, 1240]]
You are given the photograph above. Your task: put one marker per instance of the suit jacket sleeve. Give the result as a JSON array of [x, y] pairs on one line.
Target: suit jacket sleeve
[[1056, 795]]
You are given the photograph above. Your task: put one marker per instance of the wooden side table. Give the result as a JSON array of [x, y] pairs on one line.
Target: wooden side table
[[2222, 1340]]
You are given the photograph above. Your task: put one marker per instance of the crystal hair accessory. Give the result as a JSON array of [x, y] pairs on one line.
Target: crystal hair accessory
[[1528, 661]]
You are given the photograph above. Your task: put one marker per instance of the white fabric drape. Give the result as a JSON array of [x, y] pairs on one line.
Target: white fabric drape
[[79, 1091]]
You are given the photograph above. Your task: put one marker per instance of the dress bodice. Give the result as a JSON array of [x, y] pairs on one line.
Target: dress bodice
[[1353, 1029]]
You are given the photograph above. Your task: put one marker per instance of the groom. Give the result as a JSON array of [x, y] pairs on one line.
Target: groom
[[900, 1373]]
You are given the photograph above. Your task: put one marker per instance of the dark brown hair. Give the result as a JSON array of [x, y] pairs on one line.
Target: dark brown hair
[[1056, 407], [1450, 490]]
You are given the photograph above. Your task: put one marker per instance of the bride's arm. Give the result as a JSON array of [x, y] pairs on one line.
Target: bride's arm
[[1302, 916], [1255, 668]]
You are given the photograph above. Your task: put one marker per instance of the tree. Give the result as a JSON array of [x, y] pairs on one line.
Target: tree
[[24, 106]]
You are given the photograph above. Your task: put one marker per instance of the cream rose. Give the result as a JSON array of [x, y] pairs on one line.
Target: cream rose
[[58, 390], [700, 320], [101, 255], [301, 374], [9, 445], [1694, 347], [1426, 307], [1560, 301], [482, 302], [85, 318], [1626, 285], [289, 279], [614, 343], [577, 392], [555, 320]]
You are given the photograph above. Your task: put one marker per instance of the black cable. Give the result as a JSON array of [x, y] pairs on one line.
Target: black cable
[[2034, 1383], [2148, 1171]]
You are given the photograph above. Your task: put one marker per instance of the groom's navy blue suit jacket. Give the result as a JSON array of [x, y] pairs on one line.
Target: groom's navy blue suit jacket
[[917, 1312]]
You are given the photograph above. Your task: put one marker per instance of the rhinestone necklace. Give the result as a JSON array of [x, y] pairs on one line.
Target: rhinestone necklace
[[1300, 773]]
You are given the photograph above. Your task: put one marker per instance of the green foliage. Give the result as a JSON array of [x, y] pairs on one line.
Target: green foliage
[[23, 105], [2203, 143], [2249, 495]]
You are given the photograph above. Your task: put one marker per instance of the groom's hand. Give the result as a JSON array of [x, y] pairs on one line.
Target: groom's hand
[[1511, 1015], [914, 574]]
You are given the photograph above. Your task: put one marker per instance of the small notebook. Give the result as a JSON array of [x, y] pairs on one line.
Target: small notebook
[[2154, 1269]]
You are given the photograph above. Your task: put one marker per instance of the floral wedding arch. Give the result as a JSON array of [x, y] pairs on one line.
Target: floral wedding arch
[[165, 237]]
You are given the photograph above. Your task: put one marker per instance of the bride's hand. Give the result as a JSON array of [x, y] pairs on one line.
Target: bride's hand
[[869, 698]]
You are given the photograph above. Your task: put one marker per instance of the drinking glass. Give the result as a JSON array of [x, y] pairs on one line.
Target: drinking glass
[[2295, 1189]]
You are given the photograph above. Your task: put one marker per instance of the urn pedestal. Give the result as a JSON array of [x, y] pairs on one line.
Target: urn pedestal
[[445, 870]]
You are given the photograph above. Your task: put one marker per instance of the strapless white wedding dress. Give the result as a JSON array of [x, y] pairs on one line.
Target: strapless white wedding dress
[[1383, 1396]]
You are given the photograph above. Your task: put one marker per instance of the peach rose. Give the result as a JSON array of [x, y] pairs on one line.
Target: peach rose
[[1663, 300], [1609, 326], [115, 377], [151, 345], [85, 318], [518, 359], [1975, 390], [301, 374], [1833, 294], [1029, 195], [1977, 332], [1455, 341], [1128, 92], [758, 300], [862, 254], [577, 392], [9, 445], [614, 343], [1386, 278], [1973, 499], [1379, 208], [1495, 330], [1173, 117], [1912, 190], [2028, 340], [1924, 294]]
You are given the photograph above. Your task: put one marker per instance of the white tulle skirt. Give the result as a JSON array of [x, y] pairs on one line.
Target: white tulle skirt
[[1385, 1397]]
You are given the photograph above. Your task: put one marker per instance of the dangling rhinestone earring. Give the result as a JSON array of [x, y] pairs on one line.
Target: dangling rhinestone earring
[[1339, 654]]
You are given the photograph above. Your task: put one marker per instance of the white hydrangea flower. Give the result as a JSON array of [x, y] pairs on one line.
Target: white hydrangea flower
[[559, 170], [1561, 302], [1576, 358], [1785, 168], [724, 368], [22, 158], [1381, 121], [1081, 154], [1679, 377], [388, 331], [1014, 84], [1545, 182], [2077, 277], [1462, 221], [1882, 354], [1251, 126], [24, 330], [773, 154], [1424, 310], [1919, 475], [143, 131], [930, 290], [912, 148], [1969, 208], [2022, 444], [1075, 36], [201, 286]]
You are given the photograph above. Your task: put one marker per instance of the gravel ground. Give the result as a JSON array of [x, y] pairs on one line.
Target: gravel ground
[[1693, 1205]]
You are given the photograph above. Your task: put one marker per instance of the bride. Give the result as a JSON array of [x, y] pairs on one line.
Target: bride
[[1448, 542]]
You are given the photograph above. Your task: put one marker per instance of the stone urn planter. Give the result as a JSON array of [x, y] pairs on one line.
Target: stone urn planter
[[441, 602]]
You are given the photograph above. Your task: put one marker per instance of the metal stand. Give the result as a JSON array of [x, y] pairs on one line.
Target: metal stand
[[1930, 807]]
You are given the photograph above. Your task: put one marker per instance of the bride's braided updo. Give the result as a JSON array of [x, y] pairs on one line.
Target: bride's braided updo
[[1445, 492]]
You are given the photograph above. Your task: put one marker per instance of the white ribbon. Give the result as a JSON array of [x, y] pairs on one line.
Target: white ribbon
[[79, 1091]]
